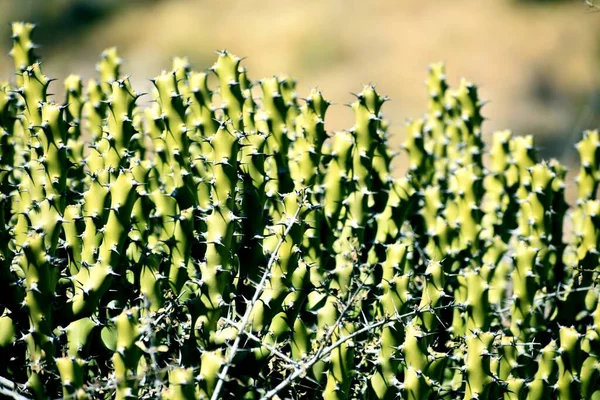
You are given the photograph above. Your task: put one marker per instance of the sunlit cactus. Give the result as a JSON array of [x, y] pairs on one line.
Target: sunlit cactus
[[223, 243]]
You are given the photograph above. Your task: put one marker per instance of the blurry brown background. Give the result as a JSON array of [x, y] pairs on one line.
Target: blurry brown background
[[537, 61]]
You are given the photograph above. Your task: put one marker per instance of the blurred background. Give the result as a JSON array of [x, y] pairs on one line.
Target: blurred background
[[537, 61]]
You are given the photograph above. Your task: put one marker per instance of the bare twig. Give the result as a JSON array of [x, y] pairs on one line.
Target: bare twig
[[9, 389], [267, 346], [325, 352], [339, 319], [259, 289], [149, 329]]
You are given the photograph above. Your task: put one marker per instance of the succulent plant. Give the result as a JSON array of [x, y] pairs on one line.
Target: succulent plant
[[222, 243]]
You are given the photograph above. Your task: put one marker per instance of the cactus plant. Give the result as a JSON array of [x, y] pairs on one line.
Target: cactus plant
[[222, 243]]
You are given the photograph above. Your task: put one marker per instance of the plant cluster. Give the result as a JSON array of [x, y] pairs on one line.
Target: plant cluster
[[220, 243]]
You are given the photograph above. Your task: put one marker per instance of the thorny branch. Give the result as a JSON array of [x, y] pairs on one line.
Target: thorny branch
[[324, 352], [259, 289], [9, 389]]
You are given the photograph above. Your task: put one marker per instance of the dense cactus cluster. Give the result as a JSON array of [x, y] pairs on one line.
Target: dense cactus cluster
[[221, 243]]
